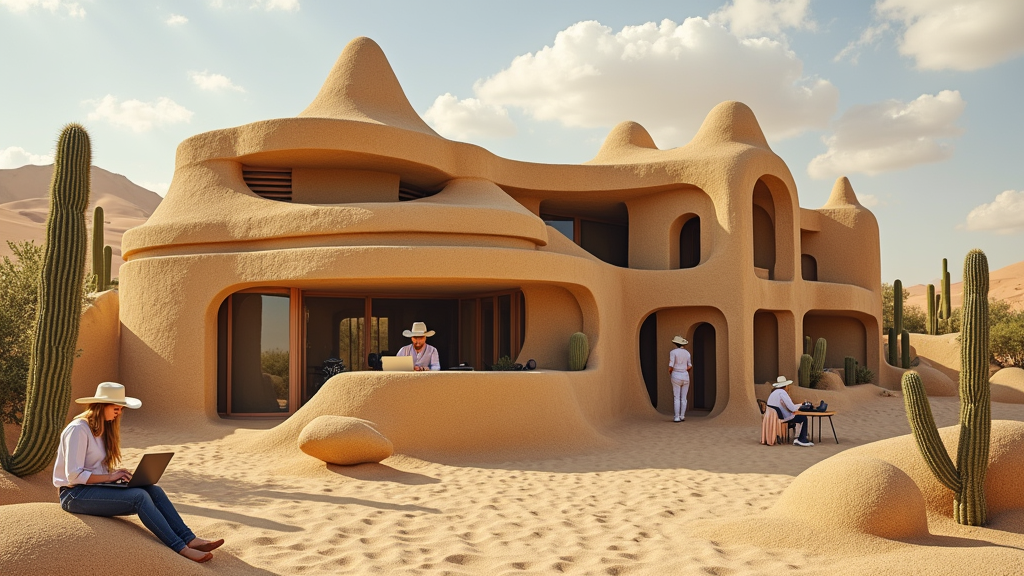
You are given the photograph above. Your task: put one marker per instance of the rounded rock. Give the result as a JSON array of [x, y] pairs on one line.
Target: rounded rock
[[344, 440]]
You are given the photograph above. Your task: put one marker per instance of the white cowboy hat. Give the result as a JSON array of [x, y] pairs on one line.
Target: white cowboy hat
[[781, 382], [680, 340], [111, 393], [418, 329]]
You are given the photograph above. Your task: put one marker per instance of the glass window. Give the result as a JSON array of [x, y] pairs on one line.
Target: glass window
[[467, 332], [260, 354], [335, 339], [564, 225]]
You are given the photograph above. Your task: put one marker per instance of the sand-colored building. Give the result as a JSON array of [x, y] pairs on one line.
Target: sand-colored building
[[286, 242]]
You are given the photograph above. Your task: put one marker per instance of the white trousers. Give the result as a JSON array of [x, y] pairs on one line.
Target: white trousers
[[679, 390]]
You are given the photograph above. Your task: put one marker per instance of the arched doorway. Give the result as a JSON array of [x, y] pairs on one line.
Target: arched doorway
[[705, 375], [689, 243]]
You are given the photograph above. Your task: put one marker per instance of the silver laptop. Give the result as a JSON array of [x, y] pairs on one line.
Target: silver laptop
[[147, 473], [396, 363]]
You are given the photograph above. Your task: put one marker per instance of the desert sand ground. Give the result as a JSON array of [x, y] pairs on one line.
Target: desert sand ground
[[661, 498]]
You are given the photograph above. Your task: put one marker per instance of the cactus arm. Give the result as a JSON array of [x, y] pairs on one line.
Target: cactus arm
[[97, 247], [892, 347], [922, 424], [107, 258], [905, 350], [932, 324], [804, 374]]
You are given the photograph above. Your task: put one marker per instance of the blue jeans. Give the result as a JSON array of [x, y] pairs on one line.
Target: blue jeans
[[800, 419], [150, 503]]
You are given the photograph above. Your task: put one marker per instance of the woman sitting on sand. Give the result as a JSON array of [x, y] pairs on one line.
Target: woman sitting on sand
[[90, 447]]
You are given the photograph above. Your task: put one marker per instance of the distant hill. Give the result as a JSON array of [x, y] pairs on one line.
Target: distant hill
[[1007, 284], [24, 203]]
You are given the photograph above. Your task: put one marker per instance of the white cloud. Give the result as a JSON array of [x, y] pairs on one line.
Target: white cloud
[[160, 188], [870, 36], [213, 82], [957, 34], [137, 115], [73, 9], [16, 157], [891, 135], [176, 20], [468, 119], [268, 5], [748, 18], [869, 200], [1004, 215], [666, 77]]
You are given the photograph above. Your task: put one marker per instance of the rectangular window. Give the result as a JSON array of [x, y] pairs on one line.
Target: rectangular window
[[334, 339]]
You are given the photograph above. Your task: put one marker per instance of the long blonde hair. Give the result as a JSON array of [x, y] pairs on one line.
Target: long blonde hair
[[109, 431]]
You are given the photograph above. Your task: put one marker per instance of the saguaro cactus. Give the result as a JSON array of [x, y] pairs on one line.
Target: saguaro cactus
[[967, 478], [804, 374], [807, 345], [892, 347], [97, 248], [579, 351], [108, 255], [946, 310], [897, 307], [905, 349], [933, 322], [849, 371], [819, 355], [60, 293]]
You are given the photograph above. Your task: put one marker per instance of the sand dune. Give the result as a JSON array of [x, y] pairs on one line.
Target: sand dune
[[24, 205], [662, 498], [1007, 284]]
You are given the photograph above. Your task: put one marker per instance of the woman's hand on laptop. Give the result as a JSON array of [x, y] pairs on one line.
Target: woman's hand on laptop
[[120, 475]]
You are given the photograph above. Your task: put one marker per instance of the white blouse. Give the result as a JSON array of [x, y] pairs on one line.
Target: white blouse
[[79, 456]]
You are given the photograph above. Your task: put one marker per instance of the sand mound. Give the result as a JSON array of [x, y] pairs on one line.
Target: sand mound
[[831, 381], [936, 382], [343, 440], [858, 495], [35, 488], [1008, 386], [1004, 483], [42, 539]]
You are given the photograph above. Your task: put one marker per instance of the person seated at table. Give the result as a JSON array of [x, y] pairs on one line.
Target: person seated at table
[[783, 404], [424, 356]]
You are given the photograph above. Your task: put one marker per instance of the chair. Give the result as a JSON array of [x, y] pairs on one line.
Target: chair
[[772, 421]]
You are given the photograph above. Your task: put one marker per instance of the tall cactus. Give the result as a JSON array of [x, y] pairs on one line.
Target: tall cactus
[[849, 371], [967, 478], [807, 345], [97, 248], [108, 255], [946, 310], [579, 351], [897, 307], [48, 394], [892, 347], [933, 323], [804, 374], [819, 355], [905, 349]]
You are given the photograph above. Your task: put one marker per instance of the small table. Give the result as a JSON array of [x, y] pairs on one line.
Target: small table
[[812, 415]]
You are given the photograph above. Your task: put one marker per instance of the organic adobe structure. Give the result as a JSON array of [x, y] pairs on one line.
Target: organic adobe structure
[[285, 245]]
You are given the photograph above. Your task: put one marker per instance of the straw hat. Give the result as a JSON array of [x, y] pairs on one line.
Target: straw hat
[[781, 382], [111, 393], [418, 329], [680, 340]]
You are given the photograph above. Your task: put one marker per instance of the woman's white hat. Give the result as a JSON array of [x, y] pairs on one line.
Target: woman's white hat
[[680, 340], [781, 382], [111, 393], [418, 329]]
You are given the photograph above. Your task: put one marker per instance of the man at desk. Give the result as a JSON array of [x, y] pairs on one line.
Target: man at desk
[[424, 356]]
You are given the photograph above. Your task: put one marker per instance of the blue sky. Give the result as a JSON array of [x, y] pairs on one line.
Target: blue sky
[[917, 101]]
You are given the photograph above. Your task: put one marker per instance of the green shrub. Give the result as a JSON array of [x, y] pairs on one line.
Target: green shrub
[[864, 375], [19, 293], [504, 364], [275, 363]]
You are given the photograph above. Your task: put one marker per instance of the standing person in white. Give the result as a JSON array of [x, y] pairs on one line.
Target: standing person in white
[[679, 366], [424, 356]]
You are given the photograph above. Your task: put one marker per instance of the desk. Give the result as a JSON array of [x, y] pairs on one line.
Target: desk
[[811, 416]]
